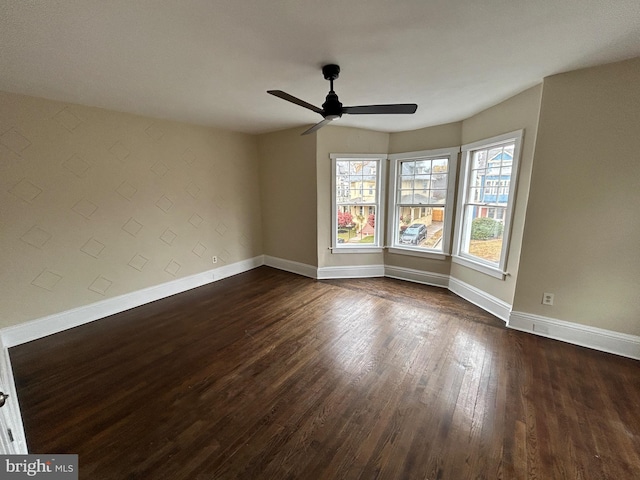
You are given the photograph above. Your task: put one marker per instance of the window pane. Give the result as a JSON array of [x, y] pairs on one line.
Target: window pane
[[422, 198], [477, 178], [343, 191], [438, 196], [406, 196], [483, 233], [342, 168], [355, 167], [406, 182], [368, 179], [479, 159], [423, 166], [356, 224], [369, 168], [476, 195], [439, 181], [440, 165], [420, 227], [407, 168]]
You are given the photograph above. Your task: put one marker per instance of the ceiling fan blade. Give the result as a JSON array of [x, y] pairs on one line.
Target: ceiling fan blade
[[381, 109], [292, 99], [317, 126]]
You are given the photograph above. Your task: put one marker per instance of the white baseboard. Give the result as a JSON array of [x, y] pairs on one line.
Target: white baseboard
[[291, 266], [577, 334], [351, 271], [489, 303], [417, 276], [41, 327]]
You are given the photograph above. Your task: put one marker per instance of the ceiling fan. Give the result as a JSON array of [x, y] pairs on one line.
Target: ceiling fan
[[332, 108]]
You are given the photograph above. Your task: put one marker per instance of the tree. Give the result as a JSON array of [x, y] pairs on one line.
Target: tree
[[345, 219], [372, 219]]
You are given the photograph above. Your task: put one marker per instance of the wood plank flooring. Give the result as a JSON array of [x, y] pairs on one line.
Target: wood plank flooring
[[272, 375]]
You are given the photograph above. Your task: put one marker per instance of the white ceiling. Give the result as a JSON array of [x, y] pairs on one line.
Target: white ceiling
[[210, 62]]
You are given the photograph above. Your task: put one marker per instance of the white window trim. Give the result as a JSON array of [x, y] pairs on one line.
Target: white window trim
[[380, 217], [475, 263], [452, 153]]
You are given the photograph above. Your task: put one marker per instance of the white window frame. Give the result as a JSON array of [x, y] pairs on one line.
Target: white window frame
[[459, 257], [379, 204], [395, 159]]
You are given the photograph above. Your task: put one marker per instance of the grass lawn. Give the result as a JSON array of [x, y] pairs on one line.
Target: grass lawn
[[487, 249], [346, 236], [352, 237]]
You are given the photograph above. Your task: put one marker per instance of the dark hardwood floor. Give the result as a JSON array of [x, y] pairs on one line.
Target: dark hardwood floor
[[272, 375]]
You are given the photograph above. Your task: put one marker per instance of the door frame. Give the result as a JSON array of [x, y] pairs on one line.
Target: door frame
[[10, 412]]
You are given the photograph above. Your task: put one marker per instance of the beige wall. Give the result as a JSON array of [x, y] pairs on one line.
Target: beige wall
[[518, 112], [95, 204], [330, 140], [582, 236], [429, 138], [288, 193]]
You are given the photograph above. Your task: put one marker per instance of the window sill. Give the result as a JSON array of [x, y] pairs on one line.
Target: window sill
[[418, 253], [356, 250], [486, 269]]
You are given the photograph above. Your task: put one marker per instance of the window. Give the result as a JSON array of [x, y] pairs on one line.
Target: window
[[420, 203], [356, 190], [486, 196]]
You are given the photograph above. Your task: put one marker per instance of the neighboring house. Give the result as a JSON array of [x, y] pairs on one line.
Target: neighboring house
[[494, 179], [357, 188], [424, 187]]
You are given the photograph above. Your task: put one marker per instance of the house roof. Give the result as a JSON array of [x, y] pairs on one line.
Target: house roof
[[211, 63], [368, 229], [419, 199], [502, 155]]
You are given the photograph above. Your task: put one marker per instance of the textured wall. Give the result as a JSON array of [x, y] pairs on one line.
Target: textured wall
[[95, 204]]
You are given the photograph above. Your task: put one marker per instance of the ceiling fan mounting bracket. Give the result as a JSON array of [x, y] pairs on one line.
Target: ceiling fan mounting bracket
[[331, 72]]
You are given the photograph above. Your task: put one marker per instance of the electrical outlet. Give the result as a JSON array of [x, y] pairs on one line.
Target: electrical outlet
[[214, 259], [547, 298]]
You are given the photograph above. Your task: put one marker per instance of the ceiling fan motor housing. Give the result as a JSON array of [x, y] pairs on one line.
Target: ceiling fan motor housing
[[332, 108]]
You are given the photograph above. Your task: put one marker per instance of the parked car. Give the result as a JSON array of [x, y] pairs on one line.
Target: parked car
[[414, 234]]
